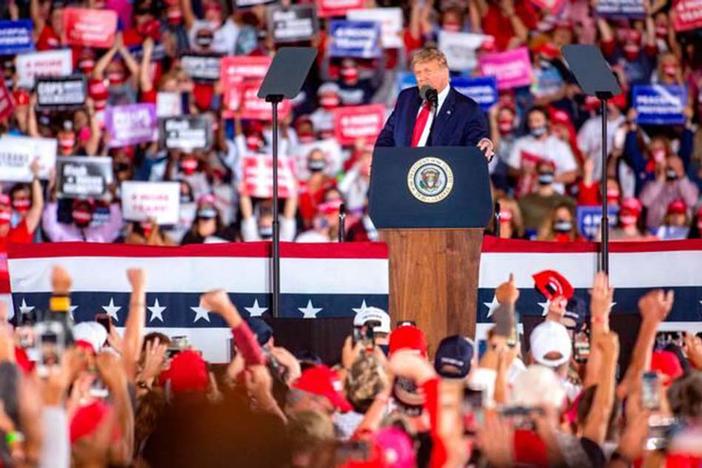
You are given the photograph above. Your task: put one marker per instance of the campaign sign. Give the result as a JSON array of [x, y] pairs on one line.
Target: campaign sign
[[131, 124], [49, 63], [621, 9], [405, 79], [16, 37], [390, 20], [512, 68], [354, 122], [65, 92], [258, 176], [186, 133], [201, 67], [589, 219], [253, 107], [459, 48], [482, 90], [234, 70], [659, 105], [328, 8], [359, 39], [293, 24], [6, 104], [17, 154], [151, 200], [688, 15], [168, 104], [83, 176], [250, 3], [90, 27]]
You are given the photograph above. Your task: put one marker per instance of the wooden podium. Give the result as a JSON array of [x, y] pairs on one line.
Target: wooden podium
[[434, 235]]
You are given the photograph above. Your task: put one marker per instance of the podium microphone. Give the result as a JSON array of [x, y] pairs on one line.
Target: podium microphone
[[429, 94]]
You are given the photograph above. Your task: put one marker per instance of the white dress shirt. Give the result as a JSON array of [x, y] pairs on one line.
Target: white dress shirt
[[425, 134]]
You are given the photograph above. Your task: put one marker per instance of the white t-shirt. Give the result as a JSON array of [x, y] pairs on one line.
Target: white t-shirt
[[590, 140], [551, 149], [249, 229], [223, 38]]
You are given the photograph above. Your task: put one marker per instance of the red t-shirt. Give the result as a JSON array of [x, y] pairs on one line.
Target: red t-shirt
[[18, 235], [48, 39], [500, 27]]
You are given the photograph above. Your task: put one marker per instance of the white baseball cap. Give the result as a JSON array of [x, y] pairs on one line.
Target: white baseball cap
[[550, 337], [92, 333], [536, 386], [373, 314]]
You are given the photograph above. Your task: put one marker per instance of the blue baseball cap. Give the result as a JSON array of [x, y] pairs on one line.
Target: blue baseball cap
[[453, 357]]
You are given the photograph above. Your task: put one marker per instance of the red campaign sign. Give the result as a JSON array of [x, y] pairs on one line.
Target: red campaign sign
[[234, 70], [258, 176], [89, 27], [327, 8], [252, 107], [688, 15], [354, 122], [6, 105], [550, 5]]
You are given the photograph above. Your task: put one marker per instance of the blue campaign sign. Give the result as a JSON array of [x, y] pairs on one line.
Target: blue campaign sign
[[660, 105], [405, 80], [633, 9], [358, 39], [590, 217], [482, 89], [16, 37]]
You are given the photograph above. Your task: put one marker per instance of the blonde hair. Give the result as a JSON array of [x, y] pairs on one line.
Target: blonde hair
[[429, 54]]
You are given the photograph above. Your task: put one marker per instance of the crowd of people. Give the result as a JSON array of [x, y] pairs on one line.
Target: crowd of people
[[547, 135], [85, 395]]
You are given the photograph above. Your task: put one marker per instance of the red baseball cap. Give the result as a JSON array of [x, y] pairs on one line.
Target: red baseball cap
[[677, 206], [187, 373], [408, 337], [552, 284], [632, 205], [323, 381], [668, 364]]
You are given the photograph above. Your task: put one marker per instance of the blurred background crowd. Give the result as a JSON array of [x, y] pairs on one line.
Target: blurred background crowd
[[177, 53]]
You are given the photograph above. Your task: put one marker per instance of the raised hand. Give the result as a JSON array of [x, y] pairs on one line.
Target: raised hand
[[218, 301], [656, 305], [601, 299], [60, 280], [507, 292], [408, 364], [154, 358], [136, 277]]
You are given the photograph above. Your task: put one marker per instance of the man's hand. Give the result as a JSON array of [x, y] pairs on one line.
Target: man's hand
[[137, 278], [693, 350], [408, 364], [507, 292], [487, 147], [656, 305], [218, 301], [601, 299]]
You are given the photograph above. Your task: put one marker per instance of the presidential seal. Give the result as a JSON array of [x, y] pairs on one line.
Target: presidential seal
[[430, 180]]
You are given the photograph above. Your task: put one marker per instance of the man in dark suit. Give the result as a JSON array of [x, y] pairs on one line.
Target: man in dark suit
[[459, 119]]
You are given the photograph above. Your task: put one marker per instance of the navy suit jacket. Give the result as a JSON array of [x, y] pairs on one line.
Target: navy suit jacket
[[459, 122]]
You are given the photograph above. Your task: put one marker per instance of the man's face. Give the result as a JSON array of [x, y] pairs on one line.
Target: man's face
[[431, 73]]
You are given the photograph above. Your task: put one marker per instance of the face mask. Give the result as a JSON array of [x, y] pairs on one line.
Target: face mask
[[82, 218], [316, 165], [67, 142], [329, 101], [115, 78], [147, 228], [86, 66], [671, 175], [451, 26], [562, 226], [174, 15], [185, 199], [662, 31], [627, 220], [349, 75], [21, 205], [546, 178], [254, 142], [305, 137], [84, 134], [188, 166], [5, 217], [631, 52], [539, 131], [265, 232], [504, 126], [658, 155], [612, 196]]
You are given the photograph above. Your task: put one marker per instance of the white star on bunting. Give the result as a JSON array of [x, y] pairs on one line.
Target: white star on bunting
[[544, 306], [309, 311], [24, 308], [255, 310], [70, 312], [492, 306], [112, 309], [156, 311], [362, 309], [200, 313]]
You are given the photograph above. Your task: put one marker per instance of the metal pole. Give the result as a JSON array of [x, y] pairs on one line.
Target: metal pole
[[604, 226], [341, 237], [497, 219], [275, 280]]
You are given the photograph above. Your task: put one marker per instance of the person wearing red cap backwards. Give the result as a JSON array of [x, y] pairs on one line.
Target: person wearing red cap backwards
[[27, 213], [676, 224]]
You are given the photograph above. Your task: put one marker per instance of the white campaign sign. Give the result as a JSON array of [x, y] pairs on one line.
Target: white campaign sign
[[390, 20], [460, 48], [151, 200], [49, 63], [17, 154]]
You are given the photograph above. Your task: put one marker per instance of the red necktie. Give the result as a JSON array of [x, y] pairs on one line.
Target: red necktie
[[420, 123]]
